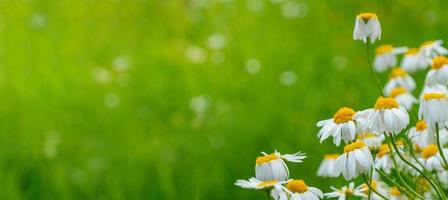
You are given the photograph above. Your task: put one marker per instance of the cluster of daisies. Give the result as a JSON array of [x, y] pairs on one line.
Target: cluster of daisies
[[392, 159]]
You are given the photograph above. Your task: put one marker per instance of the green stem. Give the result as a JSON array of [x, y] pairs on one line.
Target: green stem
[[371, 188], [370, 180], [375, 76], [384, 175], [441, 147], [268, 194]]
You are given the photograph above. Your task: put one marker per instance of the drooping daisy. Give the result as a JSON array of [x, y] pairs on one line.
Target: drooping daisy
[[298, 190], [383, 160], [386, 57], [346, 192], [372, 140], [272, 166], [403, 97], [399, 78], [412, 61], [326, 167], [387, 116], [431, 159], [431, 49], [367, 25], [434, 108], [340, 127], [437, 88], [274, 186], [420, 135], [380, 187], [355, 160], [395, 194], [439, 71]]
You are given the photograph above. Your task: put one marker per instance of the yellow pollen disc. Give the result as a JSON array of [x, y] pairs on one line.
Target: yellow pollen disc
[[353, 146], [384, 49], [384, 149], [427, 43], [421, 125], [439, 61], [411, 51], [331, 156], [385, 103], [366, 16], [429, 96], [343, 115], [397, 91], [394, 191], [366, 135], [297, 186], [264, 159], [267, 183], [397, 72], [429, 151], [348, 192]]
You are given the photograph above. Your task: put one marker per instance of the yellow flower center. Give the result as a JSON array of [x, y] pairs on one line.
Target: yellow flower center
[[437, 96], [384, 149], [353, 146], [331, 156], [394, 191], [411, 51], [429, 151], [397, 72], [397, 91], [367, 15], [297, 186], [385, 103], [348, 192], [267, 183], [439, 61], [421, 125], [366, 135], [384, 49], [343, 115], [373, 184], [264, 159], [427, 43]]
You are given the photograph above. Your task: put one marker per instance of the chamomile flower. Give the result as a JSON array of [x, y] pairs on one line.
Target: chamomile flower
[[439, 71], [386, 57], [431, 49], [395, 194], [387, 116], [403, 97], [367, 25], [326, 167], [431, 159], [340, 127], [372, 140], [380, 187], [273, 167], [298, 190], [420, 135], [434, 108], [437, 88], [383, 160], [275, 187], [355, 160], [346, 192], [399, 78], [412, 61]]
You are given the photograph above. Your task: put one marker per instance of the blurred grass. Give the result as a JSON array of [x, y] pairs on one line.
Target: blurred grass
[[125, 99]]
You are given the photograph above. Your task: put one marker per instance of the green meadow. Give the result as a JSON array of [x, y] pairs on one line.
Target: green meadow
[[174, 99]]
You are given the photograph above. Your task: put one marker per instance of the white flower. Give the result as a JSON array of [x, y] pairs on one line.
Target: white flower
[[298, 190], [386, 57], [431, 159], [443, 178], [387, 116], [355, 160], [403, 97], [439, 71], [380, 187], [346, 192], [399, 78], [434, 108], [420, 134], [395, 194], [275, 187], [437, 88], [340, 127], [412, 61], [367, 25], [383, 160], [272, 167], [326, 167], [431, 49], [372, 140]]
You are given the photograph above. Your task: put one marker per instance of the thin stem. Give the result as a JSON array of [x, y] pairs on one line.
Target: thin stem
[[268, 195], [371, 188], [441, 147], [416, 168], [370, 180], [384, 175], [375, 76]]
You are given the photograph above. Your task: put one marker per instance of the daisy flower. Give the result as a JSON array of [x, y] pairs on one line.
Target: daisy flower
[[326, 167], [298, 190], [367, 25], [431, 159], [273, 167], [412, 61], [386, 57], [383, 160], [399, 78], [420, 135], [346, 192], [380, 187], [274, 186], [355, 160], [340, 127], [372, 140], [387, 116], [403, 97], [437, 88], [439, 71], [431, 49], [434, 108], [395, 194]]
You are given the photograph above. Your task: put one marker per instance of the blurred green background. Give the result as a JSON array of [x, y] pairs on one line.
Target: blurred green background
[[166, 99]]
